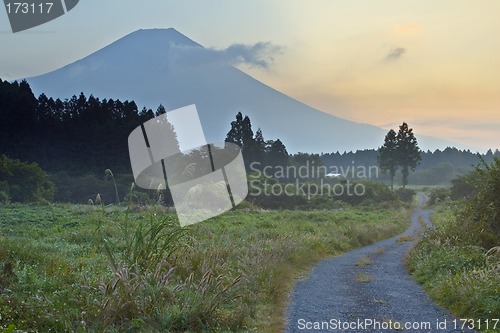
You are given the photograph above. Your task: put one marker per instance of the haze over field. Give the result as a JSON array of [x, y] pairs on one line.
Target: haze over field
[[432, 65]]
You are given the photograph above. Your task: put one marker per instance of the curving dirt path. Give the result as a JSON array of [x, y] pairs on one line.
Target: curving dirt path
[[368, 290]]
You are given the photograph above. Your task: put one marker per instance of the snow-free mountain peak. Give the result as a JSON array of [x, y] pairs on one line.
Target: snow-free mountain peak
[[162, 66]]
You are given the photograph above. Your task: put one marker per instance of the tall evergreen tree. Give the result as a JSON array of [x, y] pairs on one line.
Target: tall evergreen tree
[[387, 155], [241, 133], [235, 133], [259, 146], [278, 155], [160, 110], [408, 152], [248, 141]]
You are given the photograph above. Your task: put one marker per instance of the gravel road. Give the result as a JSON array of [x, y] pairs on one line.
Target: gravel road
[[343, 295]]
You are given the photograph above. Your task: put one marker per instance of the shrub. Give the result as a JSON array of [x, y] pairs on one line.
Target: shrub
[[405, 194], [24, 182], [439, 194], [463, 187], [483, 207], [269, 194], [372, 193], [79, 189]]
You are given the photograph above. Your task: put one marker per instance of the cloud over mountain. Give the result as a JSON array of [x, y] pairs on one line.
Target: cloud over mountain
[[256, 55]]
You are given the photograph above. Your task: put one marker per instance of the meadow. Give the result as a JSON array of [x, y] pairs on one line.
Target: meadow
[[96, 268]]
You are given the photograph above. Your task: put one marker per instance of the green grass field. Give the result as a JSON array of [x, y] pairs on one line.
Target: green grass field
[[112, 269]]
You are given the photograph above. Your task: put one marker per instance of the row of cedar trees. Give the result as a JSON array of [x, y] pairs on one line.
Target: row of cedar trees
[[256, 151], [87, 135], [84, 135], [400, 150], [79, 135]]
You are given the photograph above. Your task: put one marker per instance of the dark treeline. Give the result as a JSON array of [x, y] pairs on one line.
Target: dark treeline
[[77, 139], [79, 135], [453, 156], [84, 135], [435, 168]]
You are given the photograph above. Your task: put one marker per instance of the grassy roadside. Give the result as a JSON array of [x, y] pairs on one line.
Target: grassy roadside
[[458, 271], [90, 269]]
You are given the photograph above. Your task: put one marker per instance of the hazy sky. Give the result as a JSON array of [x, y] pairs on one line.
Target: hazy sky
[[434, 64]]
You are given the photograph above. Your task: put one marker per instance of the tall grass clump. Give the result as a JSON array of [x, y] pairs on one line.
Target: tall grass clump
[[144, 291], [109, 173]]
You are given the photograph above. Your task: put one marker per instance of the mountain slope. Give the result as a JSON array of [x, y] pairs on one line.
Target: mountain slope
[[162, 66]]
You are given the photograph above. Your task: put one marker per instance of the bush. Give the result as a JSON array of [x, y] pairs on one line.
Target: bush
[[439, 194], [79, 189], [24, 182], [463, 187], [483, 207], [269, 194], [365, 192], [405, 194]]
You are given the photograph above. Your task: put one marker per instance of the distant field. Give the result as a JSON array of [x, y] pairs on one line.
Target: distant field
[[95, 269]]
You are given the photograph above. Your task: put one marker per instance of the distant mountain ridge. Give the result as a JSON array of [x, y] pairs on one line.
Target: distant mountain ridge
[[159, 66]]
